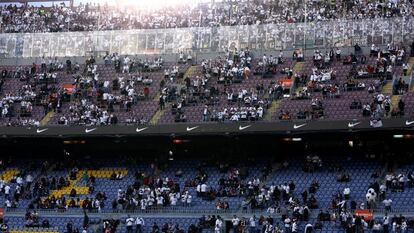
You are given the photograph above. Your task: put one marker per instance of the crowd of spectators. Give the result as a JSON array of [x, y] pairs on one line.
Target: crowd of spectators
[[217, 84], [151, 190], [18, 188], [37, 87], [89, 17], [325, 221], [43, 197], [360, 77], [26, 98], [246, 102], [90, 99]]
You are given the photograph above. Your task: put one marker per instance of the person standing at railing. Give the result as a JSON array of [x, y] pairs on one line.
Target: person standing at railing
[[252, 224], [385, 223], [218, 225], [235, 222], [139, 223], [129, 224]]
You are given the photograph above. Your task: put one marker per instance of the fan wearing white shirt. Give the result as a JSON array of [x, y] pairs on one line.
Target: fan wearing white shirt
[[139, 223], [19, 180], [189, 200], [2, 184], [252, 224], [347, 192], [173, 200], [295, 227], [203, 189], [129, 224], [287, 224], [269, 228], [7, 190], [160, 200], [217, 229], [235, 221], [8, 203], [218, 225], [387, 203], [385, 223], [143, 203], [198, 190]]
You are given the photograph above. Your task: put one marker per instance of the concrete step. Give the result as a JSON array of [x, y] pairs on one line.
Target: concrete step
[[273, 106], [47, 118], [387, 88]]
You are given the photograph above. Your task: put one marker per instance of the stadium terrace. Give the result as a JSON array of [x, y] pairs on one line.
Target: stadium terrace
[[250, 116]]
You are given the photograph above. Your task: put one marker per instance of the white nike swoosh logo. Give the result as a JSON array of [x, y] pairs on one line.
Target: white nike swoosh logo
[[140, 130], [191, 128], [90, 130], [351, 125], [41, 130], [298, 126], [244, 127], [409, 122]]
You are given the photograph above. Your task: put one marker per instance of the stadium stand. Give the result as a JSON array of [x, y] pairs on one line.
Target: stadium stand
[[304, 189], [242, 62], [240, 86], [93, 17]]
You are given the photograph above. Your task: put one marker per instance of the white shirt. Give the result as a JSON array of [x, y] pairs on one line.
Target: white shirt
[[380, 97], [173, 200], [160, 200], [8, 203], [386, 220], [7, 189], [387, 202], [219, 223], [217, 229], [19, 180], [129, 221], [189, 198], [139, 221], [347, 191], [203, 188], [235, 221], [269, 229], [252, 222], [294, 227]]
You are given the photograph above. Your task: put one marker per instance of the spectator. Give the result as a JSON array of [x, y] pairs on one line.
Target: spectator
[[129, 224], [139, 224], [387, 203]]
